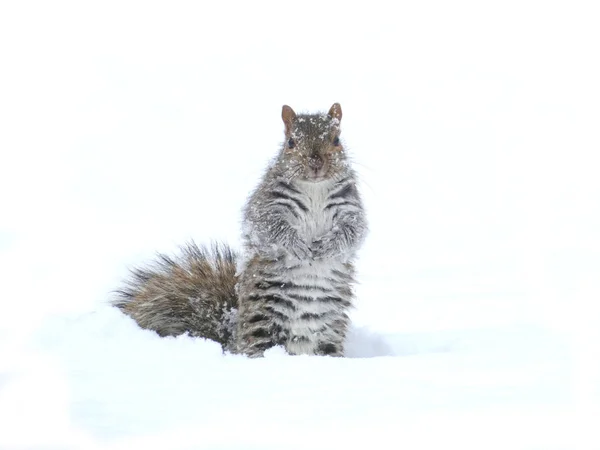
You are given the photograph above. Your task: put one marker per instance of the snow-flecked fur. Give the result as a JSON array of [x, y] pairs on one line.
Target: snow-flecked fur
[[303, 225]]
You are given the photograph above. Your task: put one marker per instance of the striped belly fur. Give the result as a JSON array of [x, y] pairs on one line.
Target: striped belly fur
[[292, 295], [300, 306]]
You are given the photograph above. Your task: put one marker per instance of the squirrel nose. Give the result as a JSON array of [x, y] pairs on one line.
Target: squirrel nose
[[315, 162]]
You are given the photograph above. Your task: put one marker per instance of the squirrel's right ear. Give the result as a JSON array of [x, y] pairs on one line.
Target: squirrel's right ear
[[288, 115], [335, 112]]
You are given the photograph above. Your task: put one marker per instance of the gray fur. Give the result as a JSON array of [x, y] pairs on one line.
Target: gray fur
[[302, 227]]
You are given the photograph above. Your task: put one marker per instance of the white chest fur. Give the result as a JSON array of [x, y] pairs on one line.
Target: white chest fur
[[317, 220]]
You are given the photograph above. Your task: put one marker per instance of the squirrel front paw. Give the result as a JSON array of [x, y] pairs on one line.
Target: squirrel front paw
[[323, 247], [300, 249]]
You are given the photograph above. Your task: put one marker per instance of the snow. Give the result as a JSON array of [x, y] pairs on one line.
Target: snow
[[129, 128], [128, 387]]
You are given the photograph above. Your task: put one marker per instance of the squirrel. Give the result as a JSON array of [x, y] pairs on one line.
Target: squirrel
[[292, 284]]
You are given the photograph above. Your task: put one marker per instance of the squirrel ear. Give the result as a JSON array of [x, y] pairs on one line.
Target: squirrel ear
[[335, 112], [288, 115]]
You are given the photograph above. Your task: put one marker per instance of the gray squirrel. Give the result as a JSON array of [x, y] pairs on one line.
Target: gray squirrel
[[292, 284]]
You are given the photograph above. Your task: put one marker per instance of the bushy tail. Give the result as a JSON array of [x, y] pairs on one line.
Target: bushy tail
[[193, 292]]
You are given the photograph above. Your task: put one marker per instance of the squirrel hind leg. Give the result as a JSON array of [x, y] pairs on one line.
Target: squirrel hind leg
[[330, 349]]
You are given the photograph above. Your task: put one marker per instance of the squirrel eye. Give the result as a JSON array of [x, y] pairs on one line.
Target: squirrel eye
[[291, 143], [336, 141]]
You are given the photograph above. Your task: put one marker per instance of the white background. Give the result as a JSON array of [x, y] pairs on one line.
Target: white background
[[128, 128]]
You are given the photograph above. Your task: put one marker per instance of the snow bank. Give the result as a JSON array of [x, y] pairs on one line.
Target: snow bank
[[98, 381]]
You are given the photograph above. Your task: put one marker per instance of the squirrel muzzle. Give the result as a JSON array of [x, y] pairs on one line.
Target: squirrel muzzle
[[317, 167]]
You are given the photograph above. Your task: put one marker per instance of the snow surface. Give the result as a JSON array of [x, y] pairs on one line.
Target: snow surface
[[128, 128]]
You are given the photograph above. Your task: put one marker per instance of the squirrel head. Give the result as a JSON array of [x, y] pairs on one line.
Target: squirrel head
[[312, 150]]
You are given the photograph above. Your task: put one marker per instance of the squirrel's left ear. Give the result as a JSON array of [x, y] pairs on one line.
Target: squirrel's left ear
[[335, 112]]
